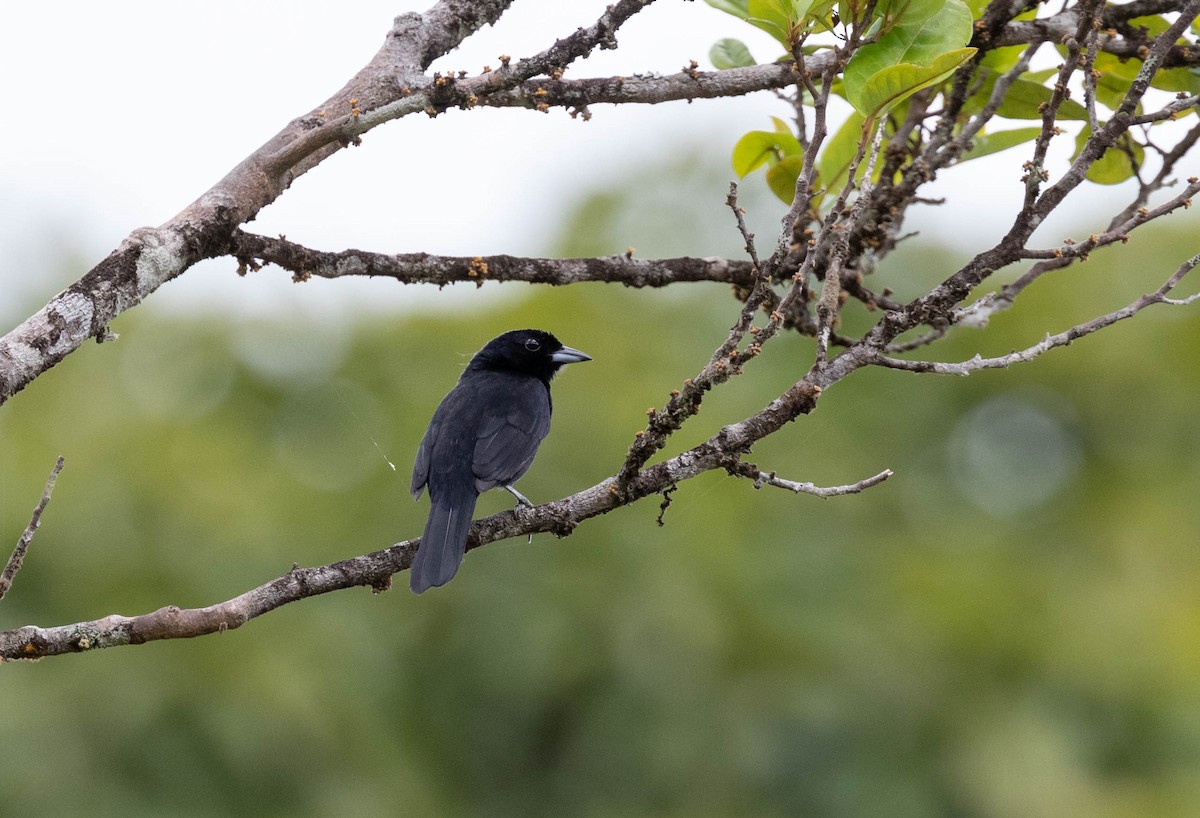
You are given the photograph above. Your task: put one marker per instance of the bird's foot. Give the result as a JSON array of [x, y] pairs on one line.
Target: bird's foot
[[522, 500]]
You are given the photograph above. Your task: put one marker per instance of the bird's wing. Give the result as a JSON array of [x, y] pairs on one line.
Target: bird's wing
[[420, 475], [509, 437], [446, 445]]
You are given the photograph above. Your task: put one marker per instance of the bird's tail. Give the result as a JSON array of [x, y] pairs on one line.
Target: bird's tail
[[444, 541]]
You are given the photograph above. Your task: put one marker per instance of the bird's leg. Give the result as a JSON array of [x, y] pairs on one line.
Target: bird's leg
[[521, 498]]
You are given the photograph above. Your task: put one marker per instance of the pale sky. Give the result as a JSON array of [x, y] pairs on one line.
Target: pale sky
[[119, 115]]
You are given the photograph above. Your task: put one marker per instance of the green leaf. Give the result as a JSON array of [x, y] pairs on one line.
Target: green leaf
[[769, 15], [985, 144], [773, 17], [735, 7], [1040, 76], [1153, 24], [1024, 100], [774, 11], [781, 178], [800, 9], [1114, 79], [834, 162], [897, 82], [1126, 68], [820, 14], [924, 34], [1117, 75], [1186, 80], [875, 28], [757, 148], [1116, 164], [849, 10], [781, 126], [1000, 60], [730, 53]]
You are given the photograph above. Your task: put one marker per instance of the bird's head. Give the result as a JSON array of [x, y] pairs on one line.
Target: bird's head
[[530, 351]]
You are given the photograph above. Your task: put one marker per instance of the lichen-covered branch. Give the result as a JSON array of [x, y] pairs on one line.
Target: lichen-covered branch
[[648, 89], [253, 250]]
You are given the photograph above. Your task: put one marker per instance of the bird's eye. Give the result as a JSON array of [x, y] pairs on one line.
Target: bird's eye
[[533, 344]]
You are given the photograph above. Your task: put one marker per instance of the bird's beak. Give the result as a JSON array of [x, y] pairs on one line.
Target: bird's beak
[[566, 355]]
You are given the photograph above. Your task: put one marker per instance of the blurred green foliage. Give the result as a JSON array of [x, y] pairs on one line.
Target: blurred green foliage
[[1010, 626]]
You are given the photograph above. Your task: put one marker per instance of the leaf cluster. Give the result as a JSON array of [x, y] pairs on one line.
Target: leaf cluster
[[890, 51]]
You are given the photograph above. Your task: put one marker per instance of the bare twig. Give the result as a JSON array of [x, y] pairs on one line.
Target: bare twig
[[1168, 111], [803, 192], [1035, 169], [642, 89], [762, 478], [830, 301], [1057, 258], [18, 554], [1061, 339]]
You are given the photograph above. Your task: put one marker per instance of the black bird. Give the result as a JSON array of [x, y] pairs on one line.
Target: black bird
[[484, 434]]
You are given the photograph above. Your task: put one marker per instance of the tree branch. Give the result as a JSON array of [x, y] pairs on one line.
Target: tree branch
[[936, 307], [390, 86], [1119, 39], [643, 89], [559, 517], [393, 85], [838, 248], [423, 268]]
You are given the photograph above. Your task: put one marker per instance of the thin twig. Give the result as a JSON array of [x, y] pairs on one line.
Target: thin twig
[[1050, 342], [18, 554], [762, 478], [1169, 111], [726, 361], [827, 306], [1090, 74], [1056, 258]]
